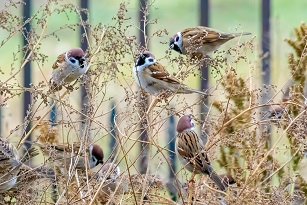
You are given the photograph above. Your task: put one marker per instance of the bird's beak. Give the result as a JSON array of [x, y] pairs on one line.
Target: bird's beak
[[100, 161], [171, 46]]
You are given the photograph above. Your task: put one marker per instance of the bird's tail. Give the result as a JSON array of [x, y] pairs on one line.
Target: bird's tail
[[199, 92], [240, 34], [187, 90], [217, 180]]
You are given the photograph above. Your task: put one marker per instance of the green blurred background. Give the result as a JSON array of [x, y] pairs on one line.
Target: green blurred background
[[172, 15]]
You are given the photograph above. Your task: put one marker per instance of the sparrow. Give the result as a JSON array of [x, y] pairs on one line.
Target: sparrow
[[200, 40], [191, 153], [68, 67], [112, 183], [113, 169], [11, 164], [152, 77], [66, 155]]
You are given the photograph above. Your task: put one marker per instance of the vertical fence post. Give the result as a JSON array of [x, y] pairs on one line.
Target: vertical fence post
[[204, 21], [27, 70], [172, 156], [84, 46], [113, 134], [265, 35], [266, 74], [1, 134], [143, 160]]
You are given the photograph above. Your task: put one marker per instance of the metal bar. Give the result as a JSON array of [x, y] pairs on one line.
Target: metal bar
[[266, 74], [204, 85], [1, 134], [172, 156], [112, 131], [265, 35], [84, 46], [143, 160], [265, 43], [53, 114], [26, 13]]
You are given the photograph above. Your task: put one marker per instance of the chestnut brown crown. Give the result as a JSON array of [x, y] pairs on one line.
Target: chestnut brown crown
[[98, 153], [75, 52], [185, 123]]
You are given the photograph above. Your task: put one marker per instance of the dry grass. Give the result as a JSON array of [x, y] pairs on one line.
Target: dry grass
[[238, 134]]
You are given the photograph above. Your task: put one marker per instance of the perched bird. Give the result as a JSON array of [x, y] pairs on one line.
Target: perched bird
[[113, 173], [277, 112], [112, 184], [67, 154], [10, 165], [68, 67], [200, 41], [153, 77], [191, 153]]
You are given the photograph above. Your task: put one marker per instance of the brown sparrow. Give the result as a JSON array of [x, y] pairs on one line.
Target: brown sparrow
[[200, 40], [68, 67], [113, 173], [112, 183], [153, 77], [10, 164], [65, 155], [191, 153], [277, 112]]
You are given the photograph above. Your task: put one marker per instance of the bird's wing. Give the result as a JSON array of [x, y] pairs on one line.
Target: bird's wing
[[160, 73], [202, 35], [191, 149], [60, 58], [9, 159], [7, 150]]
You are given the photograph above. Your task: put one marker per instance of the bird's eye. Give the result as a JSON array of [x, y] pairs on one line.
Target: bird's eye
[[177, 38], [72, 60]]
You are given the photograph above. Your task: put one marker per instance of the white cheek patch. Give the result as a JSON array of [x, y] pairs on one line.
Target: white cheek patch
[[192, 123]]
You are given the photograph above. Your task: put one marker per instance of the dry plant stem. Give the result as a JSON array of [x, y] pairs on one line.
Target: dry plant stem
[[210, 145], [96, 51], [30, 54], [250, 179], [78, 183], [151, 140], [41, 119], [158, 147], [265, 180], [191, 189], [152, 105], [164, 198], [216, 190], [102, 182]]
